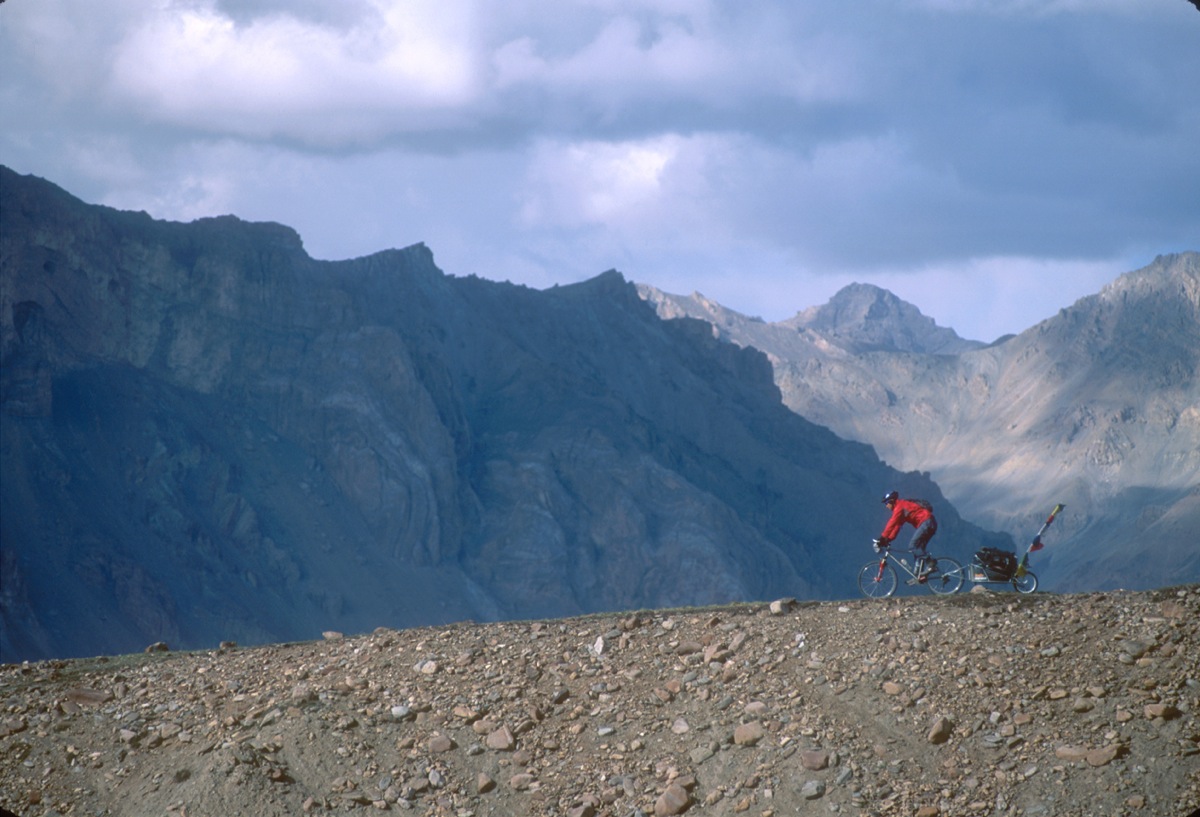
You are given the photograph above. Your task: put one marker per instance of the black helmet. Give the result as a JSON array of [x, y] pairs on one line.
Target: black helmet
[[891, 496]]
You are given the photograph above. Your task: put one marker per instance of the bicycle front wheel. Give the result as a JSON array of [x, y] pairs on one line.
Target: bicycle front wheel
[[1026, 583], [877, 580], [946, 577]]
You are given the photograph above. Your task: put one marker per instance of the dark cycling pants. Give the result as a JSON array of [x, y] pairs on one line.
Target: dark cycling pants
[[922, 536]]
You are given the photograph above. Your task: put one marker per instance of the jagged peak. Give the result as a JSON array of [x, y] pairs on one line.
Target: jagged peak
[[277, 235], [610, 283], [864, 317], [1145, 321], [1165, 271], [856, 304]]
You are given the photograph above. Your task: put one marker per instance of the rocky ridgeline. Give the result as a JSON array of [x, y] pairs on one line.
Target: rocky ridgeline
[[275, 445], [976, 704], [1097, 407]]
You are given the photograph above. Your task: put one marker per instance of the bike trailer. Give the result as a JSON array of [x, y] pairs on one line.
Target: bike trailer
[[995, 564]]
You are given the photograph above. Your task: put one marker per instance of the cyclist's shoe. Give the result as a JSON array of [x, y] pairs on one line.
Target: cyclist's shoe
[[927, 567]]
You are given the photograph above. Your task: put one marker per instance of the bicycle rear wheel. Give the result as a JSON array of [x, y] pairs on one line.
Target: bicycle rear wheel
[[946, 577], [1026, 583], [877, 580]]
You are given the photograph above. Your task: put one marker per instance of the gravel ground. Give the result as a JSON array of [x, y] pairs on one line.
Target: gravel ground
[[976, 704]]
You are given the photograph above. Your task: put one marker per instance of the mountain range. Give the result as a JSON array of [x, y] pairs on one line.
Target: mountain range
[[1097, 407], [208, 435]]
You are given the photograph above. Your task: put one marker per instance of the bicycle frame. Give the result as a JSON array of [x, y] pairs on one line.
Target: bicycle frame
[[878, 579], [901, 563]]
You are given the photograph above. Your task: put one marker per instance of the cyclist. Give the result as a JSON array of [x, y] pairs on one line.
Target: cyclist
[[919, 514]]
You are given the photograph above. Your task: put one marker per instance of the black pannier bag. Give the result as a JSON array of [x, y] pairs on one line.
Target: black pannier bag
[[1000, 565]]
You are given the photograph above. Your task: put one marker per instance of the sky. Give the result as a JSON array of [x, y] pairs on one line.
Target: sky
[[989, 161]]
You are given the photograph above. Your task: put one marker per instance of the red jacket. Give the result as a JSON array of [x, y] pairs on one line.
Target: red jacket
[[905, 511]]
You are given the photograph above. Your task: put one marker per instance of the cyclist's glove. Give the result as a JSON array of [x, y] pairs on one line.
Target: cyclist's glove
[[881, 544]]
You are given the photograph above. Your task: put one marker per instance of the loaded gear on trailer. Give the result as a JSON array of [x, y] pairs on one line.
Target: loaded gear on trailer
[[999, 565]]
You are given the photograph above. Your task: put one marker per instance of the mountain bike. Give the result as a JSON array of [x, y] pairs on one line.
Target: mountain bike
[[878, 579]]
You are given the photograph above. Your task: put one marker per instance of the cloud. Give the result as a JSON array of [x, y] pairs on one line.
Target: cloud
[[1033, 8], [402, 66], [353, 75], [697, 56], [760, 152], [706, 68], [633, 186]]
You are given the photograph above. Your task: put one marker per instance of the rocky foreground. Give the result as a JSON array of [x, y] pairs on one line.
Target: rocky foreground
[[976, 704]]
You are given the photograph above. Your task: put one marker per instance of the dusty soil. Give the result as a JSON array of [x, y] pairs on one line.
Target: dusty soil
[[975, 704]]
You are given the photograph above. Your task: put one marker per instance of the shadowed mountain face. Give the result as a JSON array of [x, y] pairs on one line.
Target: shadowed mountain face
[[208, 435], [1097, 407]]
